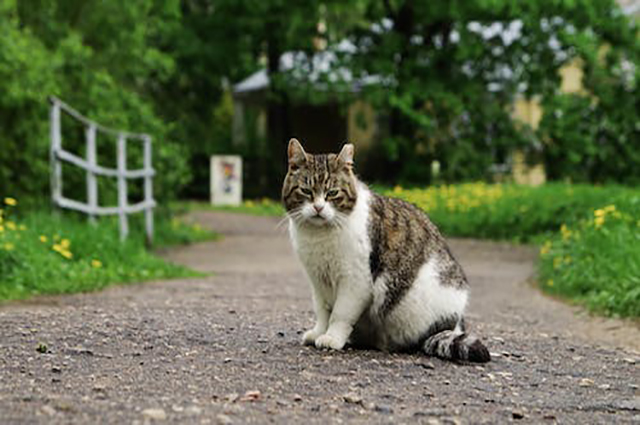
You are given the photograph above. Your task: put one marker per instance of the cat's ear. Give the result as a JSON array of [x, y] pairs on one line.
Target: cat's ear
[[297, 155], [346, 154]]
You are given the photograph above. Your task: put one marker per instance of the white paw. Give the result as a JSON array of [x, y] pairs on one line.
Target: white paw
[[330, 342], [309, 337]]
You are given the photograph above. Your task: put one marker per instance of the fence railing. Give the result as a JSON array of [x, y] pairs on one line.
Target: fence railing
[[90, 165]]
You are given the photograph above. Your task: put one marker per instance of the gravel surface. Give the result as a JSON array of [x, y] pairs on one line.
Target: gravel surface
[[225, 349]]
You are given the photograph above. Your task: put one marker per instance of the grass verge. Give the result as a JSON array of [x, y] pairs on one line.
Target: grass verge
[[41, 253]]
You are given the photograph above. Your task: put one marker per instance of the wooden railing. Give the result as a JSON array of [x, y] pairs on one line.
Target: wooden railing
[[90, 165]]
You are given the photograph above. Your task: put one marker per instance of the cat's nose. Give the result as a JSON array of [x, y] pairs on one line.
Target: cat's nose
[[318, 208]]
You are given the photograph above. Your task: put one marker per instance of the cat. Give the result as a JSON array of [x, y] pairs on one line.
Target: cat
[[382, 275]]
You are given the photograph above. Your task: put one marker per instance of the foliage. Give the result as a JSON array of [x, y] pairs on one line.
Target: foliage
[[45, 254], [448, 73], [504, 211], [98, 57], [597, 259]]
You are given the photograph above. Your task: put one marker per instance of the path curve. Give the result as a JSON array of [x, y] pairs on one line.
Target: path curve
[[225, 349]]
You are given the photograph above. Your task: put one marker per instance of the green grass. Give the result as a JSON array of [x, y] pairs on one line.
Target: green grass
[[597, 266], [259, 207], [44, 253]]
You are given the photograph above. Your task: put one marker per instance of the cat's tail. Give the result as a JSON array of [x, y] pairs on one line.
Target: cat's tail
[[456, 345]]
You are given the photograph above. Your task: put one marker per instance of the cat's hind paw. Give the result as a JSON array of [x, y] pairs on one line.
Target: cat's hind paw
[[310, 336], [330, 342]]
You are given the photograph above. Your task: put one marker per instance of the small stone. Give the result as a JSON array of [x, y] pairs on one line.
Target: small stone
[[586, 382], [549, 417], [155, 414], [604, 386], [280, 333], [56, 369], [227, 360], [223, 419], [251, 396], [297, 397], [630, 360], [352, 398], [426, 365], [48, 410], [517, 414], [383, 409]]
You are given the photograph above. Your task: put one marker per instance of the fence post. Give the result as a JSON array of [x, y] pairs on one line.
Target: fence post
[[122, 186], [148, 191], [92, 181], [56, 145]]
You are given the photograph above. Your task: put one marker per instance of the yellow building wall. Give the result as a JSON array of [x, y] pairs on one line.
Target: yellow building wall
[[529, 112]]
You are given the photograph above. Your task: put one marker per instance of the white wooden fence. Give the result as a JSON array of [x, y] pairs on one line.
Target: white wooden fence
[[90, 165]]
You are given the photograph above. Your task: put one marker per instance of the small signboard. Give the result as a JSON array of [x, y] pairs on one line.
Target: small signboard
[[226, 180]]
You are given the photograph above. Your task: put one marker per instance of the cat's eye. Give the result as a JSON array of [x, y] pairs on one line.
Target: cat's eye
[[306, 191], [332, 193]]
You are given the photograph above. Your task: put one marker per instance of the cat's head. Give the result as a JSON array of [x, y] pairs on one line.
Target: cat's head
[[319, 190]]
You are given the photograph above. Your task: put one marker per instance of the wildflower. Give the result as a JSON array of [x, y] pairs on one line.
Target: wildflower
[[8, 246], [566, 233], [43, 239], [96, 264], [397, 189], [557, 262], [22, 227], [598, 221], [545, 248], [550, 282], [11, 202], [609, 208], [11, 225], [65, 243], [2, 227], [66, 254]]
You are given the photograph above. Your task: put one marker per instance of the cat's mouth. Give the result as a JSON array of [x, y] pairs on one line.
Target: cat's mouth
[[318, 220]]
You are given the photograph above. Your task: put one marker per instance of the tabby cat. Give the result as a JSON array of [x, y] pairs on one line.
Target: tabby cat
[[382, 274]]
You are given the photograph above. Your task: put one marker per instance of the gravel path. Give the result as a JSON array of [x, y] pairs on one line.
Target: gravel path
[[225, 349]]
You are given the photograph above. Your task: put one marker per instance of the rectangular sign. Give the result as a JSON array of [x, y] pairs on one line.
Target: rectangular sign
[[226, 180]]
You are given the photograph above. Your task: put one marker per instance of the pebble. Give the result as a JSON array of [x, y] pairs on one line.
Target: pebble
[[586, 382], [251, 396], [297, 397], [517, 414], [352, 398], [155, 414], [48, 410]]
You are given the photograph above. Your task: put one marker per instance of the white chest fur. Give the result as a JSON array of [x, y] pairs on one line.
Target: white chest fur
[[334, 256]]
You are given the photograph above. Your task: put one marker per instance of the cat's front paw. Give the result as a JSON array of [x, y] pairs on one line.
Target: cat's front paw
[[330, 342], [310, 336]]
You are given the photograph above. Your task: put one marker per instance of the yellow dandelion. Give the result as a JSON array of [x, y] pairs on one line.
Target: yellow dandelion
[[550, 282], [397, 189], [11, 225], [96, 264], [57, 248], [8, 246], [2, 227], [598, 221], [43, 239], [599, 213], [557, 262], [66, 254], [545, 248], [65, 243], [11, 202], [609, 208]]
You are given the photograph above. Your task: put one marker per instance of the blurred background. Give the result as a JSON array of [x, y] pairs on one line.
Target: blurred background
[[491, 90], [463, 107]]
